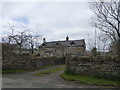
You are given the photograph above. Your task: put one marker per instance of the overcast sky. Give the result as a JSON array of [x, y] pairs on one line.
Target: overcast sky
[[52, 20]]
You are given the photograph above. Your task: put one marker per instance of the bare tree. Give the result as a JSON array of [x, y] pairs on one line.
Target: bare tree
[[90, 42], [33, 42], [103, 44], [24, 39], [20, 39], [107, 18]]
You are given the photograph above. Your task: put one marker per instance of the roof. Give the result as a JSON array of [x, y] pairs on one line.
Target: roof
[[77, 43]]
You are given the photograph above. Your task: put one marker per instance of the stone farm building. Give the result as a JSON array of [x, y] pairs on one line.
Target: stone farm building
[[62, 48]]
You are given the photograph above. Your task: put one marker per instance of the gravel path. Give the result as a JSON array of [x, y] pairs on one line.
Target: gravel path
[[27, 80]]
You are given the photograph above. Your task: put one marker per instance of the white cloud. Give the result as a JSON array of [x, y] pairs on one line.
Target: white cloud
[[52, 20]]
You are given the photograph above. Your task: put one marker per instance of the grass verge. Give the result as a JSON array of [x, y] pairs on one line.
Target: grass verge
[[50, 71], [87, 79], [20, 71]]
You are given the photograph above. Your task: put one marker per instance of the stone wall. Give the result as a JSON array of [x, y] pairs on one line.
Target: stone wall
[[21, 62], [93, 65]]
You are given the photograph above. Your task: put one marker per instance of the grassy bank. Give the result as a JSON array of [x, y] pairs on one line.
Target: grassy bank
[[20, 71], [87, 79], [50, 71]]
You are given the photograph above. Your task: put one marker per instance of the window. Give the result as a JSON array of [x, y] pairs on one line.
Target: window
[[72, 44], [56, 43]]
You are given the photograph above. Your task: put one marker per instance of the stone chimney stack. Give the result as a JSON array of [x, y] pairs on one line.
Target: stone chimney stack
[[44, 40], [67, 38]]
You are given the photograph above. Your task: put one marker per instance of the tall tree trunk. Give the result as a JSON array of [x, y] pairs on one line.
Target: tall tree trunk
[[32, 49], [20, 49]]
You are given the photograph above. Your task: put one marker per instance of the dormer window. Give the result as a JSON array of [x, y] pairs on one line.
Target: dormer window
[[72, 44], [57, 44], [43, 44]]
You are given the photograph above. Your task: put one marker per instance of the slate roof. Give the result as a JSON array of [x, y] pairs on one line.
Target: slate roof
[[77, 43]]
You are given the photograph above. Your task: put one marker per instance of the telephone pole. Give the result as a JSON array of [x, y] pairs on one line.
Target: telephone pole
[[119, 18], [119, 28], [118, 36], [95, 38]]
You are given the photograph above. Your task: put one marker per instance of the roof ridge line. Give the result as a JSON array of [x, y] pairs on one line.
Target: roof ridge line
[[65, 40]]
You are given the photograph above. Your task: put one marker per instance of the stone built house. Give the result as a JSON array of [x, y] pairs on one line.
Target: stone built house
[[62, 48]]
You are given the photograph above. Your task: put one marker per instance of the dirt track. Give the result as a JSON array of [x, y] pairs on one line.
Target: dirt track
[[27, 80]]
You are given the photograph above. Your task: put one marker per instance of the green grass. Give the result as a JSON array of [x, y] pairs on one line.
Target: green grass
[[50, 71], [87, 79], [20, 71], [12, 71]]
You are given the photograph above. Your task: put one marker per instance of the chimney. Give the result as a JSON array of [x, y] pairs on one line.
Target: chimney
[[67, 38], [44, 40]]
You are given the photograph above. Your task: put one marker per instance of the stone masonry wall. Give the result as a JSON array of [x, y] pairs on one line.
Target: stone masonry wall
[[93, 65], [22, 63]]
